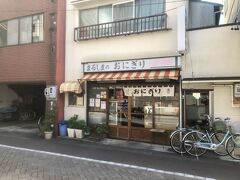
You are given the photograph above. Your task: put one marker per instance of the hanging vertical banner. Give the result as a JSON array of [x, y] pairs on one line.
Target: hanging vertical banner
[[149, 91], [168, 91], [136, 91], [157, 91]]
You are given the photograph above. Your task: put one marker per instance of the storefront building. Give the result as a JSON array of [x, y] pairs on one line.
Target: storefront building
[[137, 99], [125, 54]]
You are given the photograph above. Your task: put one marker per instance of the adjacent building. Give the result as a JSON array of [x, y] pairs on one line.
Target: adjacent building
[[231, 11], [28, 52]]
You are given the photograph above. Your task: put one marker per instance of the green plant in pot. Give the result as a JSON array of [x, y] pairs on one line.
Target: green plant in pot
[[72, 124], [80, 125], [47, 126], [102, 130]]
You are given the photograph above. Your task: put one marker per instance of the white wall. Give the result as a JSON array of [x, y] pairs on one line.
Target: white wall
[[70, 111], [192, 85], [7, 95], [212, 52], [223, 105]]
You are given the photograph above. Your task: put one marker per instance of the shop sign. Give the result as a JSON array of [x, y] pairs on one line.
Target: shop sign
[[131, 65], [149, 91]]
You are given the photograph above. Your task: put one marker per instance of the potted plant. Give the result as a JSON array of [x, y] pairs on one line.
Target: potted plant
[[102, 130], [80, 125], [48, 124], [72, 124]]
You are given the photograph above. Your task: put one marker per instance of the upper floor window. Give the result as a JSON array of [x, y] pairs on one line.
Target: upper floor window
[[149, 7], [21, 30], [121, 11], [133, 16]]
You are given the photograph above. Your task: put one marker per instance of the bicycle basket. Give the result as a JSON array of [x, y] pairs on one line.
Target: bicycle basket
[[219, 125]]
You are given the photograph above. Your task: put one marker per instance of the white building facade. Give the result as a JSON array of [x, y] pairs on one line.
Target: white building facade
[[136, 65]]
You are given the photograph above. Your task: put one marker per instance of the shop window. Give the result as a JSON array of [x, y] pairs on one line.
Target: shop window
[[97, 105], [118, 107], [166, 112], [75, 100], [141, 112], [197, 104]]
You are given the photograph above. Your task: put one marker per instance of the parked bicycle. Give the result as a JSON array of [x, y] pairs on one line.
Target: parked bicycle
[[196, 143], [176, 138]]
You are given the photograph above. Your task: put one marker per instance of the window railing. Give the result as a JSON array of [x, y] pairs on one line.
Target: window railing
[[123, 27]]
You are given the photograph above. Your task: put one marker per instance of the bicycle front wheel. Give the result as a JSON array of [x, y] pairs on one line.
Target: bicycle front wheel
[[176, 141], [233, 146], [190, 143], [217, 138]]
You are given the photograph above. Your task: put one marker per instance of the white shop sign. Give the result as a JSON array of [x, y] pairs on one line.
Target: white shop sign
[[132, 65], [149, 91]]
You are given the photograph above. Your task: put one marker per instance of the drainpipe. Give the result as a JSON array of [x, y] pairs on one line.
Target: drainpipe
[[180, 102], [60, 59]]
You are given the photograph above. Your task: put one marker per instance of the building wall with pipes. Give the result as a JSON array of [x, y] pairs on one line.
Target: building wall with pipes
[[212, 63]]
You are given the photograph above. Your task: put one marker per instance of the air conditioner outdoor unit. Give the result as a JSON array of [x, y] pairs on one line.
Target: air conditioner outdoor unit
[[237, 90]]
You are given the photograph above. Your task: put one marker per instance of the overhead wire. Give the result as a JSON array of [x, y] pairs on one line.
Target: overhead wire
[[48, 9]]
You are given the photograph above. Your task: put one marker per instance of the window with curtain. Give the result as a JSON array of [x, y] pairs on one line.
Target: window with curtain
[[123, 11], [26, 30], [105, 16], [96, 16], [37, 28], [12, 32], [3, 34], [89, 17], [149, 8]]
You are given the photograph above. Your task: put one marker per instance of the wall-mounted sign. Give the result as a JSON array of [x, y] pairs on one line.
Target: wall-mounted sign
[[132, 65], [149, 91]]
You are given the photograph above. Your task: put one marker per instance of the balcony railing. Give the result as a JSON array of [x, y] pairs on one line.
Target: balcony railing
[[124, 27]]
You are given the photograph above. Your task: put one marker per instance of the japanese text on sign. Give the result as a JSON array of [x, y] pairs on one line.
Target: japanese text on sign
[[149, 91], [130, 65]]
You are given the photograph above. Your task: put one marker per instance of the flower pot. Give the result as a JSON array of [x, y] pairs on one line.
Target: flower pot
[[48, 135], [79, 133], [70, 132]]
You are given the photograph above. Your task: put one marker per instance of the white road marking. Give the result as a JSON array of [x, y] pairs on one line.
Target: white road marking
[[108, 162]]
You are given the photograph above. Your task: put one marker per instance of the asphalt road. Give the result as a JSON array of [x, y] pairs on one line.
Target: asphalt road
[[207, 166]]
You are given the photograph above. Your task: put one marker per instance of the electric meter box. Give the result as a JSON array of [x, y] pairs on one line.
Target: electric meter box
[[50, 92]]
